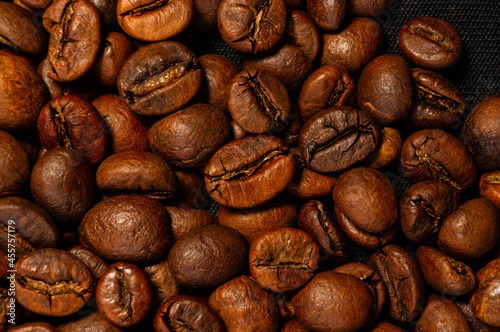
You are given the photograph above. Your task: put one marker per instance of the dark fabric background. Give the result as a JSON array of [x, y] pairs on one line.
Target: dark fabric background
[[477, 75]]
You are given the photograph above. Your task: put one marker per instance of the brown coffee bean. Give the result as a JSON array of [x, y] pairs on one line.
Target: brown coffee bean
[[306, 183], [336, 138], [94, 322], [387, 151], [403, 281], [434, 154], [479, 134], [72, 51], [488, 186], [154, 20], [302, 33], [326, 87], [159, 78], [283, 259], [127, 130], [35, 327], [15, 163], [162, 281], [234, 169], [189, 137], [353, 46], [185, 220], [123, 294], [475, 323], [430, 42], [443, 273], [63, 184], [437, 103], [470, 231], [22, 94], [316, 220], [95, 264], [367, 7], [441, 314], [185, 312], [205, 14], [116, 50], [136, 172], [244, 306], [19, 32], [218, 72], [73, 122], [191, 190], [52, 282], [423, 208], [384, 89], [129, 228], [383, 327], [251, 26], [32, 5], [107, 12], [484, 300], [207, 256], [366, 207], [293, 326], [327, 14], [351, 310], [258, 102]]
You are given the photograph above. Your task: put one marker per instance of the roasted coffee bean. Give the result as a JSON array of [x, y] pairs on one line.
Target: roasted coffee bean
[[237, 131], [5, 305], [116, 50], [387, 150], [19, 32], [441, 314], [351, 310], [154, 20], [162, 281], [326, 87], [35, 327], [293, 75], [337, 138], [218, 72], [159, 78], [372, 279], [22, 94], [403, 281], [423, 208], [205, 14], [437, 103], [107, 12], [189, 137], [130, 228], [73, 47], [279, 212], [52, 282], [366, 207], [368, 7], [244, 306], [316, 220], [293, 326], [353, 46], [475, 323], [306, 183], [258, 102], [233, 171], [302, 33], [185, 220], [32, 226], [72, 122], [191, 190], [33, 5], [483, 301], [123, 294], [384, 89], [283, 259], [185, 312], [63, 184], [94, 322], [470, 231], [127, 130], [430, 42], [480, 136], [251, 26], [16, 168], [434, 154], [207, 256], [95, 264], [383, 327], [443, 273], [136, 172], [488, 186], [327, 14]]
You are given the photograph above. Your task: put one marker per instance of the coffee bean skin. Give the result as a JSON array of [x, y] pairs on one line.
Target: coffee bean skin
[[441, 314], [483, 301], [327, 14]]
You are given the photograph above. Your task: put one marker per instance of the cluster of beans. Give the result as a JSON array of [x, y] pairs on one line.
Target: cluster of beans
[[117, 141]]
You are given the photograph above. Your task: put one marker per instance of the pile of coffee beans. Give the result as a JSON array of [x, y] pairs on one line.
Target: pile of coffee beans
[[146, 185]]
